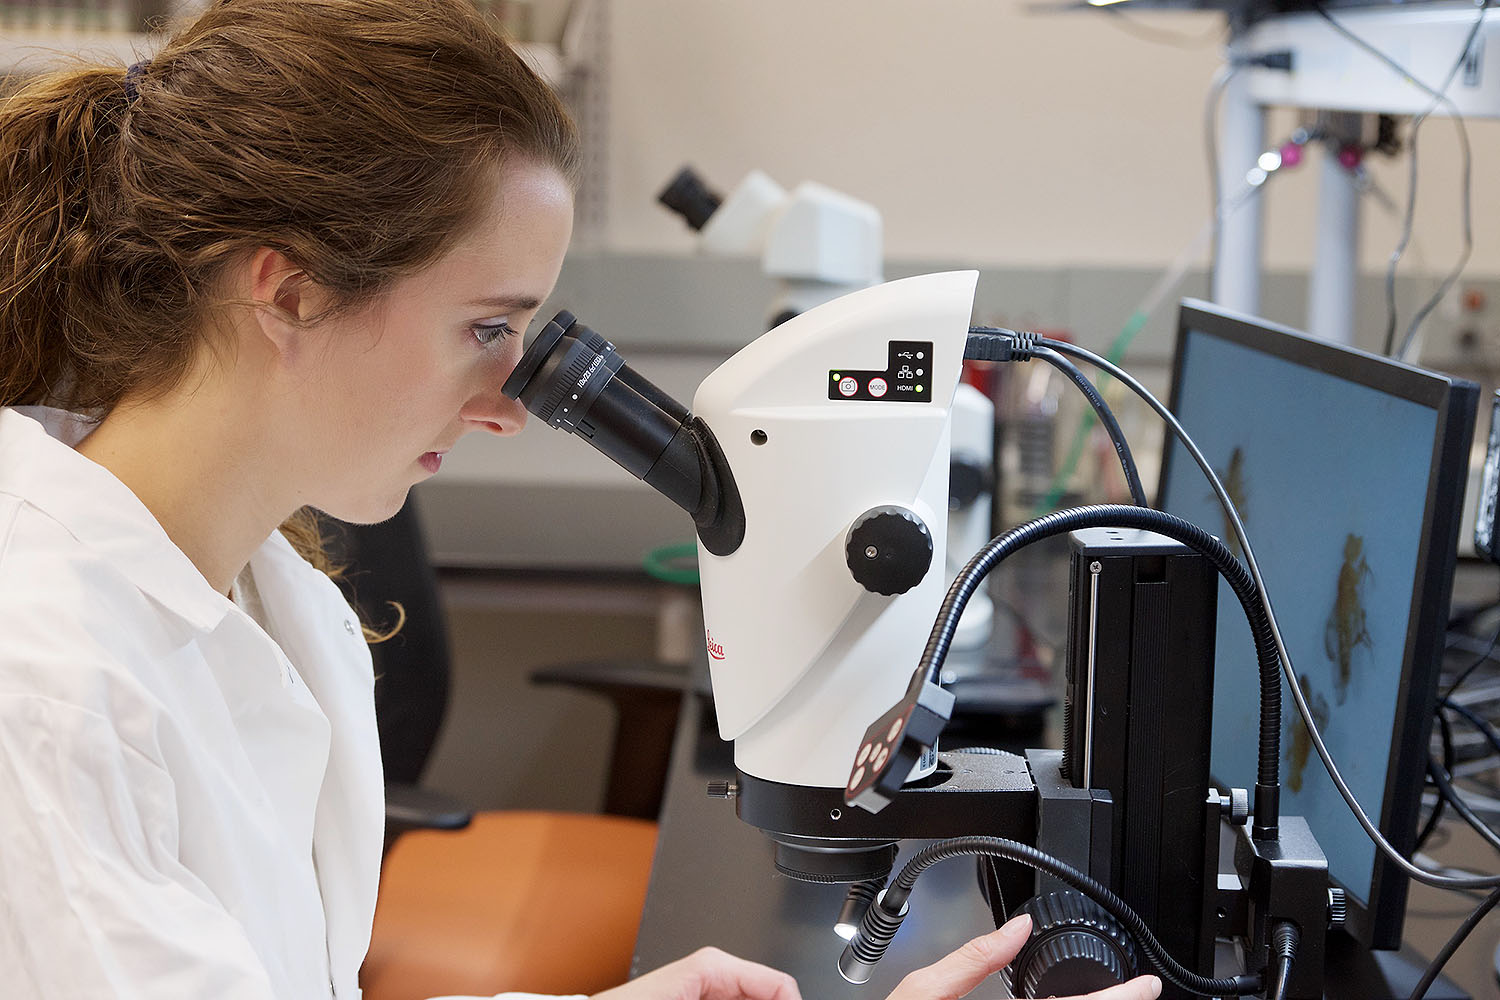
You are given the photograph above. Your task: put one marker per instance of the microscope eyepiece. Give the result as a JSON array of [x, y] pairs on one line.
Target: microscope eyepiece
[[689, 197], [573, 379]]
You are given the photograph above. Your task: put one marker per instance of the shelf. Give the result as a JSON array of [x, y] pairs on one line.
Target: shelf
[[30, 51]]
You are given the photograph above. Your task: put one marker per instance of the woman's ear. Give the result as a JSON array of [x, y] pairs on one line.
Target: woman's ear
[[286, 294]]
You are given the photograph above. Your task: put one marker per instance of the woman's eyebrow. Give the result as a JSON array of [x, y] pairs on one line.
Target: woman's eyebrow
[[524, 303]]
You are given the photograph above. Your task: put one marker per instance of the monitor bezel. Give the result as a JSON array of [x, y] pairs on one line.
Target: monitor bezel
[[1455, 401]]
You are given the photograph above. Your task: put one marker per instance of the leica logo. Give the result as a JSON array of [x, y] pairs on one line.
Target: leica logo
[[714, 649]]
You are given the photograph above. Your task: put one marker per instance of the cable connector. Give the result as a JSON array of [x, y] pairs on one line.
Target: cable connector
[[992, 343], [1282, 60], [1284, 941]]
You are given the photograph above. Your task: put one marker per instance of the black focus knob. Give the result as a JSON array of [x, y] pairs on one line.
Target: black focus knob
[[889, 550], [1075, 948]]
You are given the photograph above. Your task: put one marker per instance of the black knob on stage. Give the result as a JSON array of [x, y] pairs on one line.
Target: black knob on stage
[[1075, 948], [889, 550]]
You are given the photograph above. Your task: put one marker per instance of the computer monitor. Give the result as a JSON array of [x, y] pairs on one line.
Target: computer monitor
[[1348, 470]]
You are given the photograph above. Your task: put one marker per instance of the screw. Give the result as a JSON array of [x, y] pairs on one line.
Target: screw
[[723, 789]]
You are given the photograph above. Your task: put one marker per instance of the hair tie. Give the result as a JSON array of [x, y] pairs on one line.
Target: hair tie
[[133, 76]]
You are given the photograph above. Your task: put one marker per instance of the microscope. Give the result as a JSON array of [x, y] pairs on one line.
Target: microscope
[[814, 464]]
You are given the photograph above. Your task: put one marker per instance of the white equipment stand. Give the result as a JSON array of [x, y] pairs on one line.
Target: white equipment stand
[[1330, 72]]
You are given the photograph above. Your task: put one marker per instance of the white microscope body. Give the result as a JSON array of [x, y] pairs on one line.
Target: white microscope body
[[841, 412], [815, 465]]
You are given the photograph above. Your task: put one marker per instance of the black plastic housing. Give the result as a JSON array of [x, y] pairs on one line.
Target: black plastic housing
[[575, 380], [1142, 612]]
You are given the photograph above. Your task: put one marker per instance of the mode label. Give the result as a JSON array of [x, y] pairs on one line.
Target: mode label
[[907, 377]]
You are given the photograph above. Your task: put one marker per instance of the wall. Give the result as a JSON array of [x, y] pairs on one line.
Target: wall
[[985, 130]]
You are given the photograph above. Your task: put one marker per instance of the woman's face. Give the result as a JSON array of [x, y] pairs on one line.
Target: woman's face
[[396, 385]]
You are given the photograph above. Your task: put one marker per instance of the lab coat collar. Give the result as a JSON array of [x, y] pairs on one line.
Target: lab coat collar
[[38, 465]]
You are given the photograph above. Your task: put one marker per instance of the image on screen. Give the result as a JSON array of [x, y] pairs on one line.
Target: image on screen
[[1334, 479]]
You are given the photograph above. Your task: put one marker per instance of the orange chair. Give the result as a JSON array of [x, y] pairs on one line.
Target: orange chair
[[538, 902], [531, 901]]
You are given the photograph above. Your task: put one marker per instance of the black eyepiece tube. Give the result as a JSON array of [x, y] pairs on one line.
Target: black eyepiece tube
[[573, 379], [689, 197]]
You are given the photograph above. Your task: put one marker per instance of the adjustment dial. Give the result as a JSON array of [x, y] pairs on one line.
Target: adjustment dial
[[1075, 948], [889, 550]]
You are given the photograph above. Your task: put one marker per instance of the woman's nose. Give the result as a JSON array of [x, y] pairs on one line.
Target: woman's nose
[[495, 412]]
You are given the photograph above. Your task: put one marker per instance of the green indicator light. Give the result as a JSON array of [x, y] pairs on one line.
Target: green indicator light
[[835, 376], [919, 388]]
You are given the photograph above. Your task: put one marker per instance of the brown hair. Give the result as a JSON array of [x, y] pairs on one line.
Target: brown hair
[[348, 134]]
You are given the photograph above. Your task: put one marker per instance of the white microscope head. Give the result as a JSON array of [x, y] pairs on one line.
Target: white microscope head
[[815, 464], [837, 417]]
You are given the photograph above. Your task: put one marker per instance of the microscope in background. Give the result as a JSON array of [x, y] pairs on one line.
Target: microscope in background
[[815, 464], [816, 242]]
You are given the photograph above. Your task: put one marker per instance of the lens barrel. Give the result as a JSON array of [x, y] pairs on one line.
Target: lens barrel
[[573, 379]]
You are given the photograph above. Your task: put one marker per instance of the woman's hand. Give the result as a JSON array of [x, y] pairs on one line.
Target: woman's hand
[[707, 974], [710, 974], [955, 975]]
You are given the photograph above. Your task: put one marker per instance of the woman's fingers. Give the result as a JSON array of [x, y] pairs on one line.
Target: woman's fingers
[[956, 974]]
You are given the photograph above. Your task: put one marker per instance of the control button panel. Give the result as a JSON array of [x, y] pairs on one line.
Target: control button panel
[[907, 377]]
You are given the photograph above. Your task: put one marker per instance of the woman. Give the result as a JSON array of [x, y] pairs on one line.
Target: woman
[[282, 266]]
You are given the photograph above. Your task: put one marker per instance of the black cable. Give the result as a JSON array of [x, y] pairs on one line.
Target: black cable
[[1463, 674], [1439, 97], [1267, 787], [1154, 34], [1106, 417], [1170, 969], [1434, 817], [1466, 197], [1444, 782], [1441, 958], [1484, 728]]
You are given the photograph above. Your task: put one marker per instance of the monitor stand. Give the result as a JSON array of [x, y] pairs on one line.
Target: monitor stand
[[1354, 972]]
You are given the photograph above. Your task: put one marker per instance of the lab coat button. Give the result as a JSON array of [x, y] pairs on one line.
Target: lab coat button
[[348, 626]]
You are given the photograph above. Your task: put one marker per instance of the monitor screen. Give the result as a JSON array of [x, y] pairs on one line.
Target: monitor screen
[[1348, 471]]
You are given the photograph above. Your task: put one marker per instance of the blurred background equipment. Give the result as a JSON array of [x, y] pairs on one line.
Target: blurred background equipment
[[818, 243]]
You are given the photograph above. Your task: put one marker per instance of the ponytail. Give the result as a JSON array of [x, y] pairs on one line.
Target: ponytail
[[59, 204]]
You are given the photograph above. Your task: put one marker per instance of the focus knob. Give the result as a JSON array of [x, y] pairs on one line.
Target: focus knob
[[889, 550], [1075, 948], [1338, 907]]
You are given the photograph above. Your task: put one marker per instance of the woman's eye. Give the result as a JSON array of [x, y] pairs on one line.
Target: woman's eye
[[488, 333]]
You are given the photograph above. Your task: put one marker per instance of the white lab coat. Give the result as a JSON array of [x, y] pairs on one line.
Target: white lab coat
[[187, 808]]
